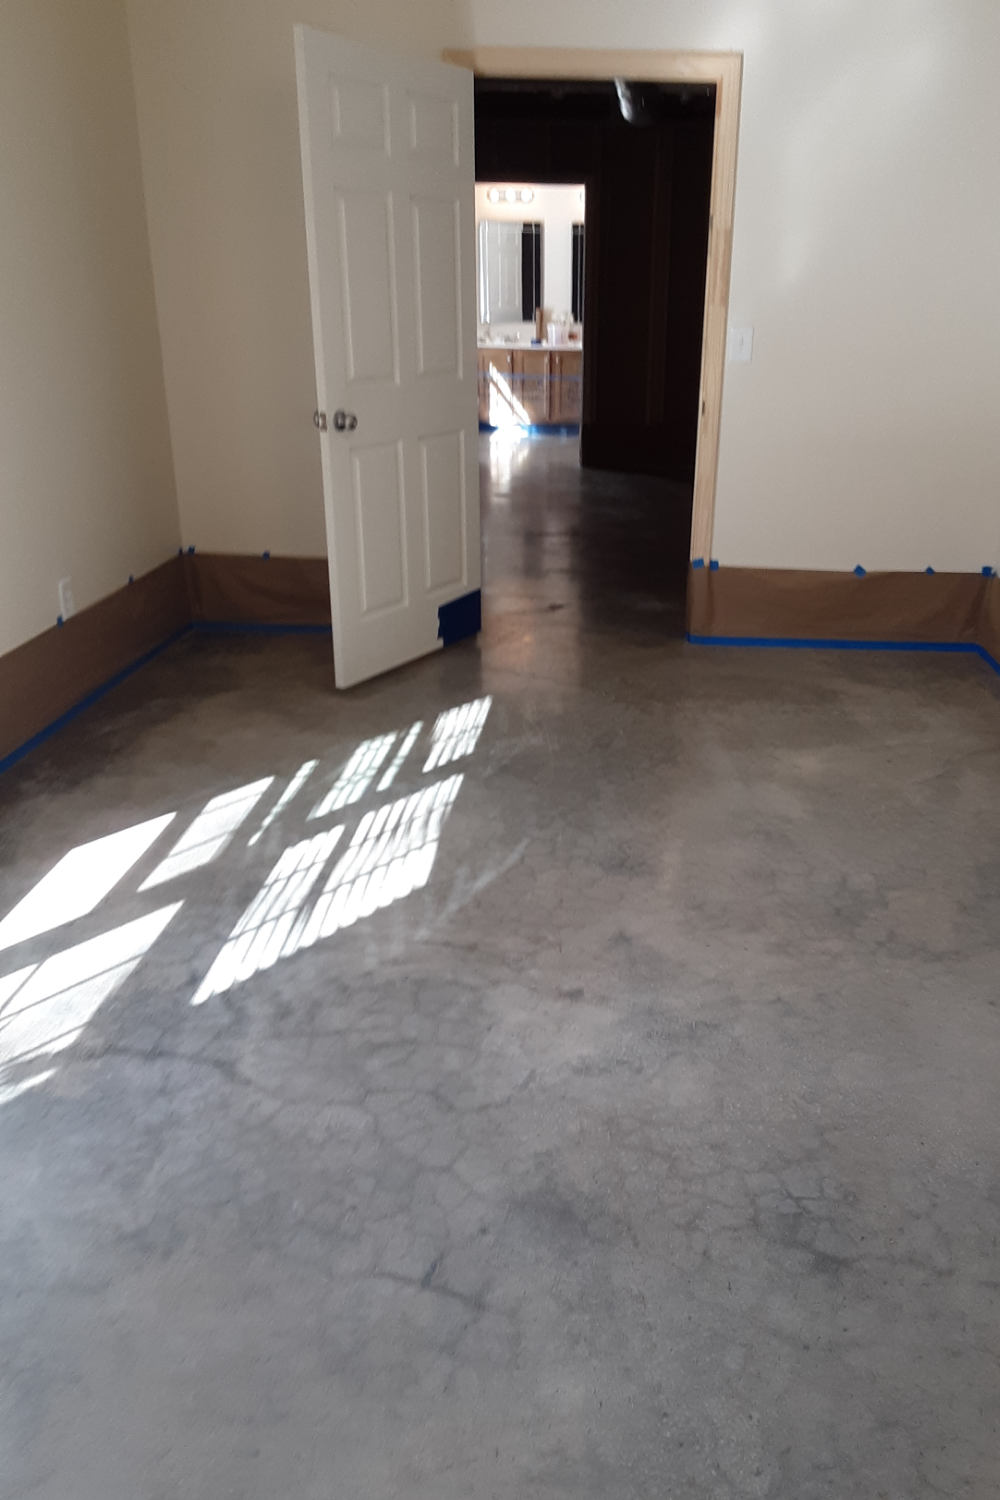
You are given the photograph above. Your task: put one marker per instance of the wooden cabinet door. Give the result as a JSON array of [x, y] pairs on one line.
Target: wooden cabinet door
[[531, 384], [496, 385], [567, 386], [483, 382]]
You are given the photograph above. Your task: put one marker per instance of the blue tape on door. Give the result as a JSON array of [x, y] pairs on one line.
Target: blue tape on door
[[461, 618]]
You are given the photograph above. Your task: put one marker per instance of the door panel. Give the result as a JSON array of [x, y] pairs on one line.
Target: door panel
[[443, 480], [378, 502], [369, 290], [388, 176], [434, 128], [360, 114], [436, 230]]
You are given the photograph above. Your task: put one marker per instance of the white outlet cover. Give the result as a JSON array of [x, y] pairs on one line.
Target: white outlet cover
[[739, 346], [67, 605]]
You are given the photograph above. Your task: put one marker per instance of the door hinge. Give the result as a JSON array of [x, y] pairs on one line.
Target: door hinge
[[319, 418]]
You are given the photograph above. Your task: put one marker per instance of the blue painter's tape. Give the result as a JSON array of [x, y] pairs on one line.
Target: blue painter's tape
[[537, 429], [929, 572], [697, 562], [265, 555], [190, 552], [59, 620], [713, 566], [794, 643], [211, 626], [988, 572], [131, 578], [461, 618], [71, 713], [860, 572]]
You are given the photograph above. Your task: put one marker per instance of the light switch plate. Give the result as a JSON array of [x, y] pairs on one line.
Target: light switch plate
[[739, 346], [67, 605]]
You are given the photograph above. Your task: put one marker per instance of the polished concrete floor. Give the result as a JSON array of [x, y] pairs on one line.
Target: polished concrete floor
[[619, 1120]]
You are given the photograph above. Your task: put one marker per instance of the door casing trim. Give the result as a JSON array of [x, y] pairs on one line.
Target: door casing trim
[[725, 70]]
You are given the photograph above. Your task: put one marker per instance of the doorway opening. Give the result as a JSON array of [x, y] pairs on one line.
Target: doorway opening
[[637, 161]]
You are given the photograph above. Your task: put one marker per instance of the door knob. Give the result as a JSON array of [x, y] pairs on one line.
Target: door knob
[[345, 421]]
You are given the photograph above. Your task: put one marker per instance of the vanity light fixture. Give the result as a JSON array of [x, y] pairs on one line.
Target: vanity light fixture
[[526, 195], [511, 195], [494, 195]]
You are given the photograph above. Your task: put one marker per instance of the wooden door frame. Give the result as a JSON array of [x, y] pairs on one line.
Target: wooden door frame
[[725, 70]]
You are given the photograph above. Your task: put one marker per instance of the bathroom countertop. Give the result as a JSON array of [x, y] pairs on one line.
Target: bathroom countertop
[[562, 348]]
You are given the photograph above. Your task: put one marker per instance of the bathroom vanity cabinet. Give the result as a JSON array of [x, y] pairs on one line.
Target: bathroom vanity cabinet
[[537, 386]]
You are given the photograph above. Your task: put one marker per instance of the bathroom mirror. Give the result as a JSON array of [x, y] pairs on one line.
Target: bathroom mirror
[[509, 271]]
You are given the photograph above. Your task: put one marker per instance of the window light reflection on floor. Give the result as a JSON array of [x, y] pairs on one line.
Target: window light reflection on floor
[[508, 449], [357, 776], [79, 882], [301, 776], [391, 854], [267, 929], [400, 756], [456, 733], [44, 1007], [209, 834]]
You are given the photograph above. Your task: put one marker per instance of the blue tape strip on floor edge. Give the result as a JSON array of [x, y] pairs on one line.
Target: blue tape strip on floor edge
[[795, 643], [210, 626], [780, 642], [21, 751]]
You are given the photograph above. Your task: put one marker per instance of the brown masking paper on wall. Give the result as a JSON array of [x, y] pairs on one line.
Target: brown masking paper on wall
[[788, 603], [50, 674], [258, 590], [989, 619]]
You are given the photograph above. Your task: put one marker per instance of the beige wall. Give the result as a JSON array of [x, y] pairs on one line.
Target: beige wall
[[218, 122], [86, 484], [866, 248]]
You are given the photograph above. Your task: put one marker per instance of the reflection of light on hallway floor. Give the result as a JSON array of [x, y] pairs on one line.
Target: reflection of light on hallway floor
[[209, 834], [44, 1007], [456, 733], [400, 756], [508, 448], [391, 854], [357, 776], [301, 776], [80, 880], [266, 930]]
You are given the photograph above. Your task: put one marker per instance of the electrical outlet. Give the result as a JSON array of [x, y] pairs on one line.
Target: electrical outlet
[[67, 605]]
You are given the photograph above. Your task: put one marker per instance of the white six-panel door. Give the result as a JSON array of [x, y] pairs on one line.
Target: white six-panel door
[[389, 178]]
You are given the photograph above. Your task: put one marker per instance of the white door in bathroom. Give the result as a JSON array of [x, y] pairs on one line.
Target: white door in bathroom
[[389, 178]]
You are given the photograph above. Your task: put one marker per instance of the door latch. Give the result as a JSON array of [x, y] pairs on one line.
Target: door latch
[[319, 419], [345, 421]]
